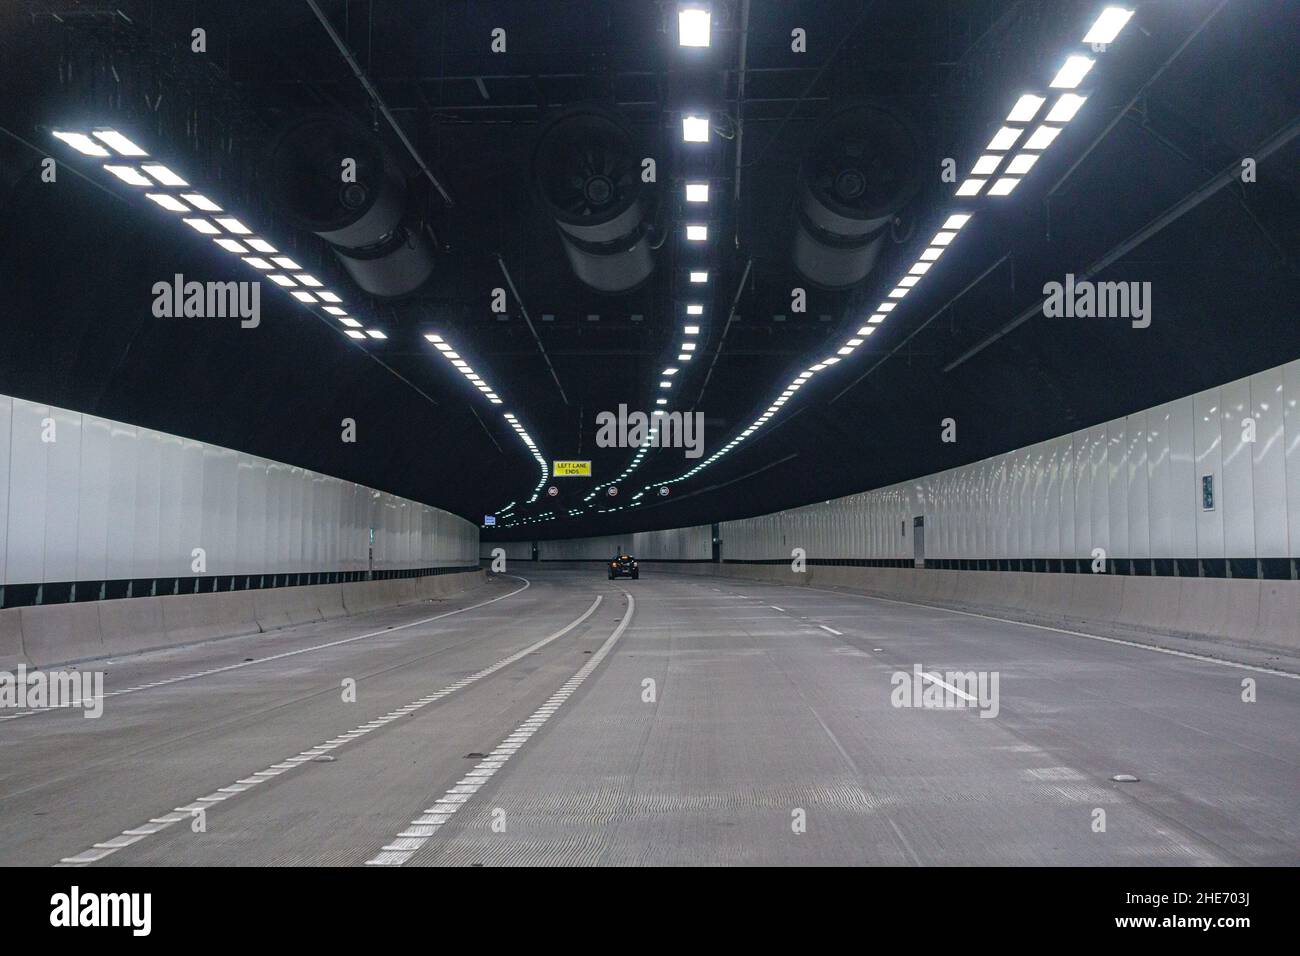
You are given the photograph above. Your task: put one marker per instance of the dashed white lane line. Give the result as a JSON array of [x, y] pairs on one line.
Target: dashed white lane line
[[1061, 630], [831, 630], [424, 827], [277, 657], [775, 608], [157, 824]]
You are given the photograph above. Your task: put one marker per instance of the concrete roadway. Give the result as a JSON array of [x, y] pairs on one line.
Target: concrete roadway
[[705, 721]]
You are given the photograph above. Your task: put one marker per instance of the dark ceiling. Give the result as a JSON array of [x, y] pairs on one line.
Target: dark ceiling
[[1188, 93]]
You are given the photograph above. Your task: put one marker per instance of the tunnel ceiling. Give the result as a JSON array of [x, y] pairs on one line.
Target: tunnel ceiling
[[1196, 89]]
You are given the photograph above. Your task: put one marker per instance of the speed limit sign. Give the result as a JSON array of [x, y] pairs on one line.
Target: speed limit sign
[[613, 492], [552, 491]]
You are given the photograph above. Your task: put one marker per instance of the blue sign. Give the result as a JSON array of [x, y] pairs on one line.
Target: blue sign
[[489, 521]]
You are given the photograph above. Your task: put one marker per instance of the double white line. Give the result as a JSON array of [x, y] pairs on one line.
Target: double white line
[[157, 824], [422, 828]]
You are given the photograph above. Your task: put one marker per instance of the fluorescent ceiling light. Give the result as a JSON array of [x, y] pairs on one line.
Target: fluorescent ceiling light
[[684, 357], [971, 187], [234, 225], [856, 342], [1108, 25], [81, 143], [661, 401], [170, 203], [829, 361], [164, 175], [985, 165], [350, 322], [845, 351], [375, 334], [230, 245], [698, 277], [688, 347], [261, 245], [433, 338], [929, 255], [1003, 186], [919, 268], [201, 225], [697, 233], [308, 280], [122, 145], [281, 280], [1026, 108], [942, 238], [868, 331], [1042, 137], [670, 371], [354, 334], [890, 306], [875, 320], [333, 310], [908, 281], [331, 297], [692, 26], [1065, 108], [697, 192], [695, 309], [284, 262], [692, 330], [695, 129], [130, 175], [1021, 164], [257, 263], [1004, 139], [897, 293], [303, 296], [200, 201], [957, 220], [665, 384], [1072, 72]]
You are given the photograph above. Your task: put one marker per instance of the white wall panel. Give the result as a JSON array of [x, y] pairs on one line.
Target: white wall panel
[[123, 459], [1238, 498], [6, 416], [62, 471], [145, 544], [1206, 438], [28, 457], [173, 557], [93, 500], [1292, 424], [1268, 472]]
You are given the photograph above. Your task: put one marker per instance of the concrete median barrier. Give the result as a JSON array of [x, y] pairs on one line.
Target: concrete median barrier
[[188, 618], [61, 633], [133, 624], [1279, 614], [11, 640]]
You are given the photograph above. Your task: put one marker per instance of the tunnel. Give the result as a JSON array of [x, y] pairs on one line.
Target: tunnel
[[598, 433]]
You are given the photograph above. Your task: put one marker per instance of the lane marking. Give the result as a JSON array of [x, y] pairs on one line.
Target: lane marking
[[831, 630], [422, 829], [948, 687], [157, 824], [775, 608], [276, 657], [1061, 630]]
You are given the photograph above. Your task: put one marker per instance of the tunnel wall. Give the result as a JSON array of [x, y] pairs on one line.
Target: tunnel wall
[[105, 500], [99, 519], [676, 544], [1131, 486]]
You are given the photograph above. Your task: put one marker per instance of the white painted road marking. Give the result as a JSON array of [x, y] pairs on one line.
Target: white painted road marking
[[1061, 630], [422, 828], [946, 686], [101, 850], [775, 608], [276, 657], [831, 630]]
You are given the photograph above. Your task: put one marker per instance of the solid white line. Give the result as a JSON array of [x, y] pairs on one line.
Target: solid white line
[[277, 657], [423, 827], [101, 850], [1061, 630], [831, 630], [947, 686]]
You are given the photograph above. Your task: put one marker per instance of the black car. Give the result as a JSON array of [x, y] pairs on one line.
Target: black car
[[623, 566]]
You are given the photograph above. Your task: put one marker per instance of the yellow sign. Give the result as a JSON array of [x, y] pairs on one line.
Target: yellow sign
[[571, 469]]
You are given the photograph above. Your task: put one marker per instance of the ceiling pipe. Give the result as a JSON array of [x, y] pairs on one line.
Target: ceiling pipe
[[377, 99]]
